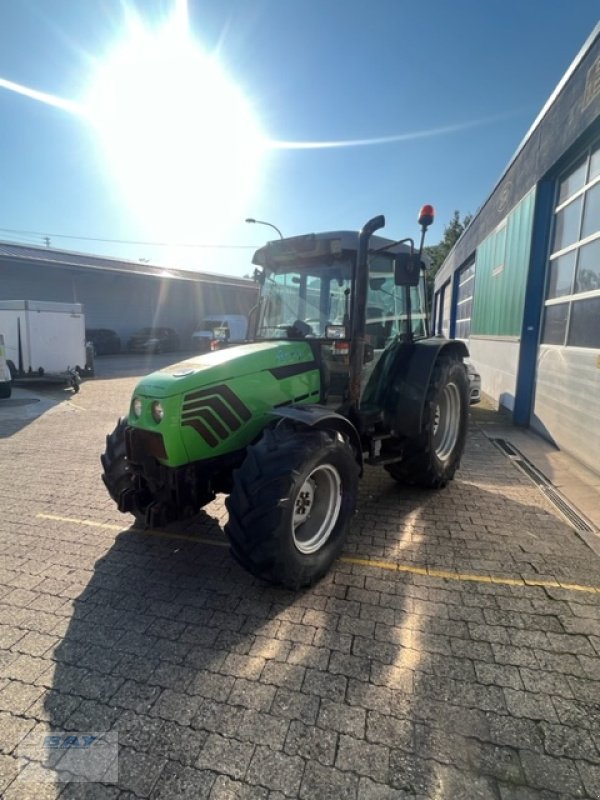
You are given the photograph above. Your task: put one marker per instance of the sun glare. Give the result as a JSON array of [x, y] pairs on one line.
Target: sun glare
[[180, 139]]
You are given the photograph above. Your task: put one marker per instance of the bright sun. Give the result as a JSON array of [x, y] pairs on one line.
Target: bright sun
[[180, 138]]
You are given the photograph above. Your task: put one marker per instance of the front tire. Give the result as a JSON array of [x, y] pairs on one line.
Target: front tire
[[123, 485], [431, 458], [292, 502]]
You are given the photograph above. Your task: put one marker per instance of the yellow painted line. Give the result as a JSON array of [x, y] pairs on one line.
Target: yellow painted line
[[465, 576], [575, 587], [147, 532], [87, 522], [391, 566]]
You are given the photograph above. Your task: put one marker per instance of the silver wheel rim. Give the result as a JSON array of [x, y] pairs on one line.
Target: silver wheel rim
[[316, 509], [446, 421]]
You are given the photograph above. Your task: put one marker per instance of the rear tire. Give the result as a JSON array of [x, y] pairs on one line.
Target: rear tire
[[292, 502], [123, 485], [431, 458]]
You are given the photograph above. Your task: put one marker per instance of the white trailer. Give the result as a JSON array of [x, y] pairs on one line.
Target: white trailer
[[43, 339]]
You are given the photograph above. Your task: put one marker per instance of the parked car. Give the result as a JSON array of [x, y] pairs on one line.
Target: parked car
[[218, 330], [154, 340], [105, 341], [474, 383]]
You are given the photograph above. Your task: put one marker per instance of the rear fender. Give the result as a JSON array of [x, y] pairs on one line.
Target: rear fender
[[404, 396], [320, 418]]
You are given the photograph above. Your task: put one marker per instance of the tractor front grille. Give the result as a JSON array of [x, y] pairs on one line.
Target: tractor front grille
[[140, 444]]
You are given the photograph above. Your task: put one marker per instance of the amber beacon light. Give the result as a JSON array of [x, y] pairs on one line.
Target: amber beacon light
[[426, 216]]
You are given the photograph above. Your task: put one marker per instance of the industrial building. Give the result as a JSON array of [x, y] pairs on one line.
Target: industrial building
[[522, 284], [121, 295]]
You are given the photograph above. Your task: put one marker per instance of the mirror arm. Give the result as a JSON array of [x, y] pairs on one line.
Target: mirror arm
[[423, 232], [393, 244], [409, 332]]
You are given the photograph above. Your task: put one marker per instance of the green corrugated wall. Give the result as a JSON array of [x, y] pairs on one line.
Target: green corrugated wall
[[502, 263]]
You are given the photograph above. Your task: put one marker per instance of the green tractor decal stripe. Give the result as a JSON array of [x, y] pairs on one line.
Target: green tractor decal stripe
[[289, 370], [225, 392], [217, 405], [204, 432], [208, 407]]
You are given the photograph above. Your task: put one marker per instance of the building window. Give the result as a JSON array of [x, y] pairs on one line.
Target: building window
[[555, 324], [572, 306], [464, 301], [445, 310], [443, 299]]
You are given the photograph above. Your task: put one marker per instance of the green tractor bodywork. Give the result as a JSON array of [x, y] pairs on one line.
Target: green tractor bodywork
[[218, 403], [339, 369]]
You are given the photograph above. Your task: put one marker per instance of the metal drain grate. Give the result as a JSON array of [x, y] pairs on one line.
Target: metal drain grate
[[567, 510], [506, 447], [532, 471], [562, 505]]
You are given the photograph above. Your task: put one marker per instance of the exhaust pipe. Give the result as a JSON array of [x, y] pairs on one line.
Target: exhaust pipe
[[359, 306]]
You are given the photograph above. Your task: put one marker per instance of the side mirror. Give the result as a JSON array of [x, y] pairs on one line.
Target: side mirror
[[407, 269]]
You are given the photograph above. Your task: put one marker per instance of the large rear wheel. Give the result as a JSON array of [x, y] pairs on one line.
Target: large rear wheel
[[431, 458], [291, 505]]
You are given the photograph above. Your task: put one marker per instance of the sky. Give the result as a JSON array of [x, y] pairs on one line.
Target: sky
[[151, 129]]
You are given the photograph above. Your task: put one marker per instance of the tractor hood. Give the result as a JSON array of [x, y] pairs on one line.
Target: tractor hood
[[214, 404], [277, 358]]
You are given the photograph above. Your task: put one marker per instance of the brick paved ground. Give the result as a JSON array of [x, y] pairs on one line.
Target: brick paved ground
[[374, 684]]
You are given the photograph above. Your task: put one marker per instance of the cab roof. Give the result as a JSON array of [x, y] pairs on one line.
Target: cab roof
[[313, 245]]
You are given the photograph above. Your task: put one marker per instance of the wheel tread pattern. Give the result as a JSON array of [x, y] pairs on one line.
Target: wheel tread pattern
[[419, 466], [259, 504], [118, 476]]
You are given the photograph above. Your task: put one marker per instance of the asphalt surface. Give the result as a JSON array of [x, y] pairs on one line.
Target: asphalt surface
[[453, 652]]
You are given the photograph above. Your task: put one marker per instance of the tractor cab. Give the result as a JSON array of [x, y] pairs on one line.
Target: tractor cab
[[309, 293]]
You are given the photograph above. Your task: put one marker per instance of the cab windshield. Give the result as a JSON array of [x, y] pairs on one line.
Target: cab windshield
[[302, 301]]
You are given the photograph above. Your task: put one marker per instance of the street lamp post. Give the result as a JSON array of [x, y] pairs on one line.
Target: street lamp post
[[262, 222]]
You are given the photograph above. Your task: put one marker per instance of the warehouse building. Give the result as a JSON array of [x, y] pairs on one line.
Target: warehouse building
[[522, 284], [122, 295]]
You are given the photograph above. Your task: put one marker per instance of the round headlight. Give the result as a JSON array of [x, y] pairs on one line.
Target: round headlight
[[136, 407], [158, 411]]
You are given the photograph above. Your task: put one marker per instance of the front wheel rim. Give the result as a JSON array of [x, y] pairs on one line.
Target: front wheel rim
[[316, 509], [446, 421]]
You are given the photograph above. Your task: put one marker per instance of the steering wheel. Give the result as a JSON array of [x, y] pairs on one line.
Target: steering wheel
[[300, 328]]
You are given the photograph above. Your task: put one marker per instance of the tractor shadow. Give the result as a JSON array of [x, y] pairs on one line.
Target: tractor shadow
[[178, 651], [29, 402]]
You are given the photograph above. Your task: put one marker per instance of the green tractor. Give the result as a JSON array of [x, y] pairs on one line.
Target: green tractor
[[339, 371]]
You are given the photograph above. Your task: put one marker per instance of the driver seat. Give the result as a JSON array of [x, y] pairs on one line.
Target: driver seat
[[376, 332]]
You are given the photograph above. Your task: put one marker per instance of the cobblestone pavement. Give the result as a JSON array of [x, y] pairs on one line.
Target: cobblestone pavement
[[463, 663]]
